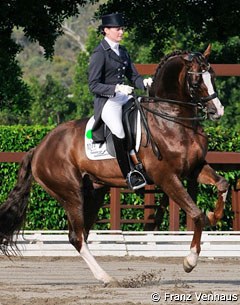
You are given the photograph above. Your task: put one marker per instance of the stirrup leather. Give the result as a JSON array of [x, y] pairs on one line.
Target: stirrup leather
[[135, 180]]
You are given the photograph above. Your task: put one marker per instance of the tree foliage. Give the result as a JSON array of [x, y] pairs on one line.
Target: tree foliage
[[51, 104], [200, 22], [82, 97], [15, 98], [41, 21], [228, 88], [155, 28]]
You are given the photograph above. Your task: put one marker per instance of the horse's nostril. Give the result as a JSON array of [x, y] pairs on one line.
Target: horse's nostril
[[214, 116], [212, 112]]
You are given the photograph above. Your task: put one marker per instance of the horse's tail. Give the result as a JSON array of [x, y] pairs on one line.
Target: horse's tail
[[13, 210]]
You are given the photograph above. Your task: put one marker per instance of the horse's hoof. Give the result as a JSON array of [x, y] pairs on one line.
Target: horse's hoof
[[186, 266], [112, 284]]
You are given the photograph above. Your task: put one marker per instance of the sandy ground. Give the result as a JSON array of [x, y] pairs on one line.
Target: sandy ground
[[68, 281]]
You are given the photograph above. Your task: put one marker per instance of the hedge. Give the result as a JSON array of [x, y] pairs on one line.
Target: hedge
[[45, 213]]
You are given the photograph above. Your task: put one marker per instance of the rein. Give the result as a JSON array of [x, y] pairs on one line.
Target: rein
[[166, 100], [163, 115], [170, 117], [150, 138]]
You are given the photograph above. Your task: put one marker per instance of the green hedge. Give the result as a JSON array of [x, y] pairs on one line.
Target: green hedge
[[45, 213]]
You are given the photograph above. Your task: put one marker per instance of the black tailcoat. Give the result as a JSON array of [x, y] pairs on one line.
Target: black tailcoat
[[106, 70]]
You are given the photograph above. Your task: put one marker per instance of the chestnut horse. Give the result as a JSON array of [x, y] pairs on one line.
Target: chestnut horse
[[182, 85]]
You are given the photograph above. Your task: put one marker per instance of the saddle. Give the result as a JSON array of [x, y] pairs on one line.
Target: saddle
[[132, 127], [130, 123]]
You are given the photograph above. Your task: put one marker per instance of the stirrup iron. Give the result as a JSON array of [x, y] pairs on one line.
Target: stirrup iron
[[139, 182]]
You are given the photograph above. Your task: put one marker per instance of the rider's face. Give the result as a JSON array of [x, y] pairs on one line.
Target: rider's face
[[114, 34]]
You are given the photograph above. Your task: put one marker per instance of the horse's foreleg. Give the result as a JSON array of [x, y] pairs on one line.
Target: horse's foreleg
[[209, 176], [190, 261], [176, 191]]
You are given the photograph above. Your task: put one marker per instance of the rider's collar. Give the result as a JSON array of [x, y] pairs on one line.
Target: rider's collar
[[113, 45]]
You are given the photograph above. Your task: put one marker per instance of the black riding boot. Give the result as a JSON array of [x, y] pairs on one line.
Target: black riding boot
[[135, 179]]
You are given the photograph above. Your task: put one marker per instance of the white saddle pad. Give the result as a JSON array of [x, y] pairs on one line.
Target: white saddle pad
[[95, 151]]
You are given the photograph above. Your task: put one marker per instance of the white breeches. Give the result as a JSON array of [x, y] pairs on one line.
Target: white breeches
[[112, 113]]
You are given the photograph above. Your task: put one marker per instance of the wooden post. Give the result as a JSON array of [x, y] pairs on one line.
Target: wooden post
[[236, 209], [149, 210], [219, 69], [115, 209], [12, 156], [174, 216], [149, 199]]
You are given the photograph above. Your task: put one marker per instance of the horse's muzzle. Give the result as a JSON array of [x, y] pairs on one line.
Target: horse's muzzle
[[214, 113], [215, 109]]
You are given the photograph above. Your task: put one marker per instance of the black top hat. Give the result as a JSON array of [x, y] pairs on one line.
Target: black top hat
[[112, 20]]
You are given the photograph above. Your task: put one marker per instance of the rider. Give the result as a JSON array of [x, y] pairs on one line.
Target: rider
[[109, 64]]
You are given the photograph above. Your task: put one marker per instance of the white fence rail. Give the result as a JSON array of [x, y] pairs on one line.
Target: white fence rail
[[121, 243]]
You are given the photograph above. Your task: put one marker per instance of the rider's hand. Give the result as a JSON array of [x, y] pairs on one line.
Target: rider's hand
[[147, 82], [124, 89]]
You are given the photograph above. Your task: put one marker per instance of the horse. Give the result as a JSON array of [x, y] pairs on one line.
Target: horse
[[173, 147]]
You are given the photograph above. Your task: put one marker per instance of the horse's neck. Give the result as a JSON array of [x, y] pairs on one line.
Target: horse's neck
[[169, 80], [170, 84]]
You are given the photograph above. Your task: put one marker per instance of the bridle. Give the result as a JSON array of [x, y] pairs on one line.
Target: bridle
[[192, 85]]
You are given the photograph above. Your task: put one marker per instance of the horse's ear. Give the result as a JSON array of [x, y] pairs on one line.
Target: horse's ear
[[207, 51]]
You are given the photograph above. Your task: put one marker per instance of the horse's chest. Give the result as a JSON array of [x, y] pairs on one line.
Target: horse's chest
[[195, 153]]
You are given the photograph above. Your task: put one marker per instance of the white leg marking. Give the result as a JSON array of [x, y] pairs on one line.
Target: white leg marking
[[192, 257], [190, 261], [97, 271], [208, 83]]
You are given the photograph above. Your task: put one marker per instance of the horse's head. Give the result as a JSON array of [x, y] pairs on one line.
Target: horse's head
[[187, 78], [201, 84]]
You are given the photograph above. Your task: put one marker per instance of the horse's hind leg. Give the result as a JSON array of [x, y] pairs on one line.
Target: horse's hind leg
[[77, 239], [93, 200], [209, 176], [77, 235], [72, 201]]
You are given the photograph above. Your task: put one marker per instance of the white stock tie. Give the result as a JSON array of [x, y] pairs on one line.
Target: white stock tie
[[115, 48]]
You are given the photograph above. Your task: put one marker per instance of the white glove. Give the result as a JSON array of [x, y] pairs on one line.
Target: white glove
[[124, 89], [147, 82]]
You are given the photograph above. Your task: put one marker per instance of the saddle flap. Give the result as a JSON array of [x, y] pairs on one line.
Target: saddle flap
[[130, 122]]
